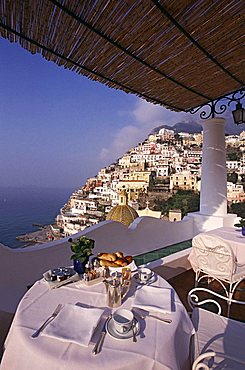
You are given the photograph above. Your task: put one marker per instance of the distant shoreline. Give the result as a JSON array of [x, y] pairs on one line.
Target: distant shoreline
[[21, 207]]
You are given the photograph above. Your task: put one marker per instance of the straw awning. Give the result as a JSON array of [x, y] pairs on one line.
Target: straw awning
[[176, 53]]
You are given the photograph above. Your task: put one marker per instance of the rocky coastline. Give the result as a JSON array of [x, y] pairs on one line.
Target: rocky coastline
[[43, 235]]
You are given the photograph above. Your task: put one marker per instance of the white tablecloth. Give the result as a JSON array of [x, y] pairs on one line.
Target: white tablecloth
[[159, 346], [231, 235]]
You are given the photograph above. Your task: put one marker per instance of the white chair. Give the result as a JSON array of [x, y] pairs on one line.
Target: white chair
[[219, 341], [213, 258]]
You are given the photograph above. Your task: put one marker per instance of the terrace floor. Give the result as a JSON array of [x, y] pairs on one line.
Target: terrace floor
[[180, 275], [184, 282]]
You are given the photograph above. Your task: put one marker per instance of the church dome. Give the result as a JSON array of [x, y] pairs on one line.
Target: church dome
[[122, 212]]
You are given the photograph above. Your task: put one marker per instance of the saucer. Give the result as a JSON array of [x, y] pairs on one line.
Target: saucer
[[110, 328], [147, 282]]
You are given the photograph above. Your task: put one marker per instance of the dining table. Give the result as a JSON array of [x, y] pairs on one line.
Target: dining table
[[160, 345]]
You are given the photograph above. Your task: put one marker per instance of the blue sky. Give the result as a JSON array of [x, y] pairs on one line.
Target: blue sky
[[57, 127]]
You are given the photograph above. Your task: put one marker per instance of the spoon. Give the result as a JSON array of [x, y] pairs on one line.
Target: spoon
[[134, 332]]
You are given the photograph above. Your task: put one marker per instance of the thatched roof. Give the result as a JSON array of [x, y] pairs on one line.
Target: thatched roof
[[177, 53]]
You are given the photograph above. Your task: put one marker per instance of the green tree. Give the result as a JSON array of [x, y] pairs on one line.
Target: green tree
[[232, 177], [186, 200], [243, 181], [238, 208], [233, 154]]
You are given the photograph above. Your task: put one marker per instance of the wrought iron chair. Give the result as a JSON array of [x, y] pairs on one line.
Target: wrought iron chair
[[219, 341], [213, 258]]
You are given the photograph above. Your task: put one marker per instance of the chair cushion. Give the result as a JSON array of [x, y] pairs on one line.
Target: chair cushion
[[239, 274], [219, 334], [213, 256]]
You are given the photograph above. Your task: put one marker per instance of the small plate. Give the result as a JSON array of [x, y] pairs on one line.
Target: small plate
[[151, 280], [57, 284], [113, 333]]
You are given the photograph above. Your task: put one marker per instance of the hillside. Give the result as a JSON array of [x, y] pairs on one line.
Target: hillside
[[192, 128]]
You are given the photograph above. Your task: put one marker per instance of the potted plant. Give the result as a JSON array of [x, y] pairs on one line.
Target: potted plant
[[241, 224], [82, 250]]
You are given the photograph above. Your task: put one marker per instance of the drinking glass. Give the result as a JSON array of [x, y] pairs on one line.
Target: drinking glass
[[126, 273]]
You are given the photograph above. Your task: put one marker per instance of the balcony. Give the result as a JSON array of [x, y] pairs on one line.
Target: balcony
[[154, 71], [162, 245]]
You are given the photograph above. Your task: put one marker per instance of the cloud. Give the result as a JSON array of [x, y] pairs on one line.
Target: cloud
[[144, 117], [124, 139], [152, 115], [146, 113]]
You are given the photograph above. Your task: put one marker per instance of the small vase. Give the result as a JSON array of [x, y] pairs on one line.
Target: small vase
[[243, 230], [79, 266]]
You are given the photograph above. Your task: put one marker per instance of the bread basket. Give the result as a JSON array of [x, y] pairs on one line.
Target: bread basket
[[132, 266]]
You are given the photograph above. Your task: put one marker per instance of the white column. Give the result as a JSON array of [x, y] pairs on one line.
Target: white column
[[213, 196]]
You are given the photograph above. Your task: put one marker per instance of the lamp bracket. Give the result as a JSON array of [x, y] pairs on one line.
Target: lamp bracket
[[218, 106]]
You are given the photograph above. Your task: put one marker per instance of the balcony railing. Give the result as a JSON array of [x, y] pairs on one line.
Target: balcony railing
[[146, 238]]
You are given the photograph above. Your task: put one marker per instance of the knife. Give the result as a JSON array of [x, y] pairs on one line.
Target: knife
[[98, 345], [144, 313]]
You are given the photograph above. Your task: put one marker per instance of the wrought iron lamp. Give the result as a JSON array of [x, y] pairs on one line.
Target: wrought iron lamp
[[239, 114], [219, 106]]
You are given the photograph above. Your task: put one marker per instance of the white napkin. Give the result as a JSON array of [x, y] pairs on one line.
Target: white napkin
[[153, 299], [74, 324]]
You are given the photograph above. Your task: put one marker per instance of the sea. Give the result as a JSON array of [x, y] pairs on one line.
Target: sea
[[20, 208]]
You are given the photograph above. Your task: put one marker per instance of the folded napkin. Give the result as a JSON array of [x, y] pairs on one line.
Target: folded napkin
[[153, 299], [74, 324]]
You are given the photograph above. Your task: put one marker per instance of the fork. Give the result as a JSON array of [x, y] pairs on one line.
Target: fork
[[50, 318]]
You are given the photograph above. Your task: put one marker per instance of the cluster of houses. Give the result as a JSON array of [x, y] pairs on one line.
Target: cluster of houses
[[164, 162]]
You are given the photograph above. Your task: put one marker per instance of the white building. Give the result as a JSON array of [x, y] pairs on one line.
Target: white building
[[162, 171], [82, 205], [235, 193], [233, 165], [105, 192], [185, 181], [232, 140], [166, 134], [125, 161], [71, 222]]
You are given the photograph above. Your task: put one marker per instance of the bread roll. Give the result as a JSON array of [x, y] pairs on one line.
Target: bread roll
[[108, 263], [107, 256], [121, 262], [129, 259], [119, 254]]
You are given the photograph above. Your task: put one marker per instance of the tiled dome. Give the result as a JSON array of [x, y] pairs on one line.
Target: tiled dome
[[122, 212]]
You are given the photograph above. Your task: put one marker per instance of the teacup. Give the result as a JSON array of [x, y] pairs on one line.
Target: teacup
[[123, 320], [144, 274]]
